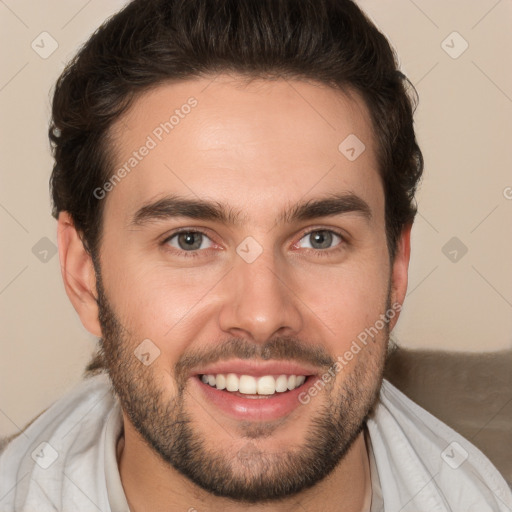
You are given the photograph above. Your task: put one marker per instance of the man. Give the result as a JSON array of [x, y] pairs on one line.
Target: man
[[234, 186]]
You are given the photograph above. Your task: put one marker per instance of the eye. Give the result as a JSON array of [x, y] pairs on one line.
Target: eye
[[189, 241], [320, 239]]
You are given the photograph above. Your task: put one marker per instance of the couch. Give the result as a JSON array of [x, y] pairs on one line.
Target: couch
[[470, 392]]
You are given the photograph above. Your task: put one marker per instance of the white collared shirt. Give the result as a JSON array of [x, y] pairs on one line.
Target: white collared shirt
[[66, 459]]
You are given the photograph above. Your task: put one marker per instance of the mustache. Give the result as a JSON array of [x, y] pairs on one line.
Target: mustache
[[278, 348]]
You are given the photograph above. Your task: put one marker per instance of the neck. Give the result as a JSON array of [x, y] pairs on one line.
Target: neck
[[151, 484]]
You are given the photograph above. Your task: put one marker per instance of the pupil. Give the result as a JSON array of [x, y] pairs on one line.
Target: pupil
[[324, 238], [189, 241]]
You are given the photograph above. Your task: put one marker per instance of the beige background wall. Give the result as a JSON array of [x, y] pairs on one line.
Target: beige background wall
[[455, 301]]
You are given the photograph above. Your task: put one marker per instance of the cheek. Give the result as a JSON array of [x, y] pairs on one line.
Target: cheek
[[159, 303], [346, 299]]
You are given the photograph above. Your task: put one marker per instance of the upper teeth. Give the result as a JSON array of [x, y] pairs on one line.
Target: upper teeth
[[249, 385]]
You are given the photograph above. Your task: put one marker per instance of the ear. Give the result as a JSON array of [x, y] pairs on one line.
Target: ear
[[78, 274], [400, 271]]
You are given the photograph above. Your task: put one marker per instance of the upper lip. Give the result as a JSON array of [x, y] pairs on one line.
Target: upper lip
[[258, 369]]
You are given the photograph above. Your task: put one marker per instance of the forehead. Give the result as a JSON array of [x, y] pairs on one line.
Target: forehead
[[254, 146]]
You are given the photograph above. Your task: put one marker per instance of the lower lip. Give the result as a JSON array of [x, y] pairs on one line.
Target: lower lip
[[267, 408]]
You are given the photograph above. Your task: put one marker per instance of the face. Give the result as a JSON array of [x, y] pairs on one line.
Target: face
[[240, 249]]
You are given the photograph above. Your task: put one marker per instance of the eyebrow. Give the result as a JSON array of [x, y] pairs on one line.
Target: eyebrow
[[201, 209]]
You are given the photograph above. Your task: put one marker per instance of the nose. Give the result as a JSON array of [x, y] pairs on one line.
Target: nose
[[259, 300]]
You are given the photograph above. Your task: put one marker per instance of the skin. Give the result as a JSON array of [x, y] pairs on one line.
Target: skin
[[259, 148]]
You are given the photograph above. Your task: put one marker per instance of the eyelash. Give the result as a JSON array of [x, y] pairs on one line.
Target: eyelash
[[317, 252]]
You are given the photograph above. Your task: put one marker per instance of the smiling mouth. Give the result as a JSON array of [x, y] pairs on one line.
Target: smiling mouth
[[249, 386]]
